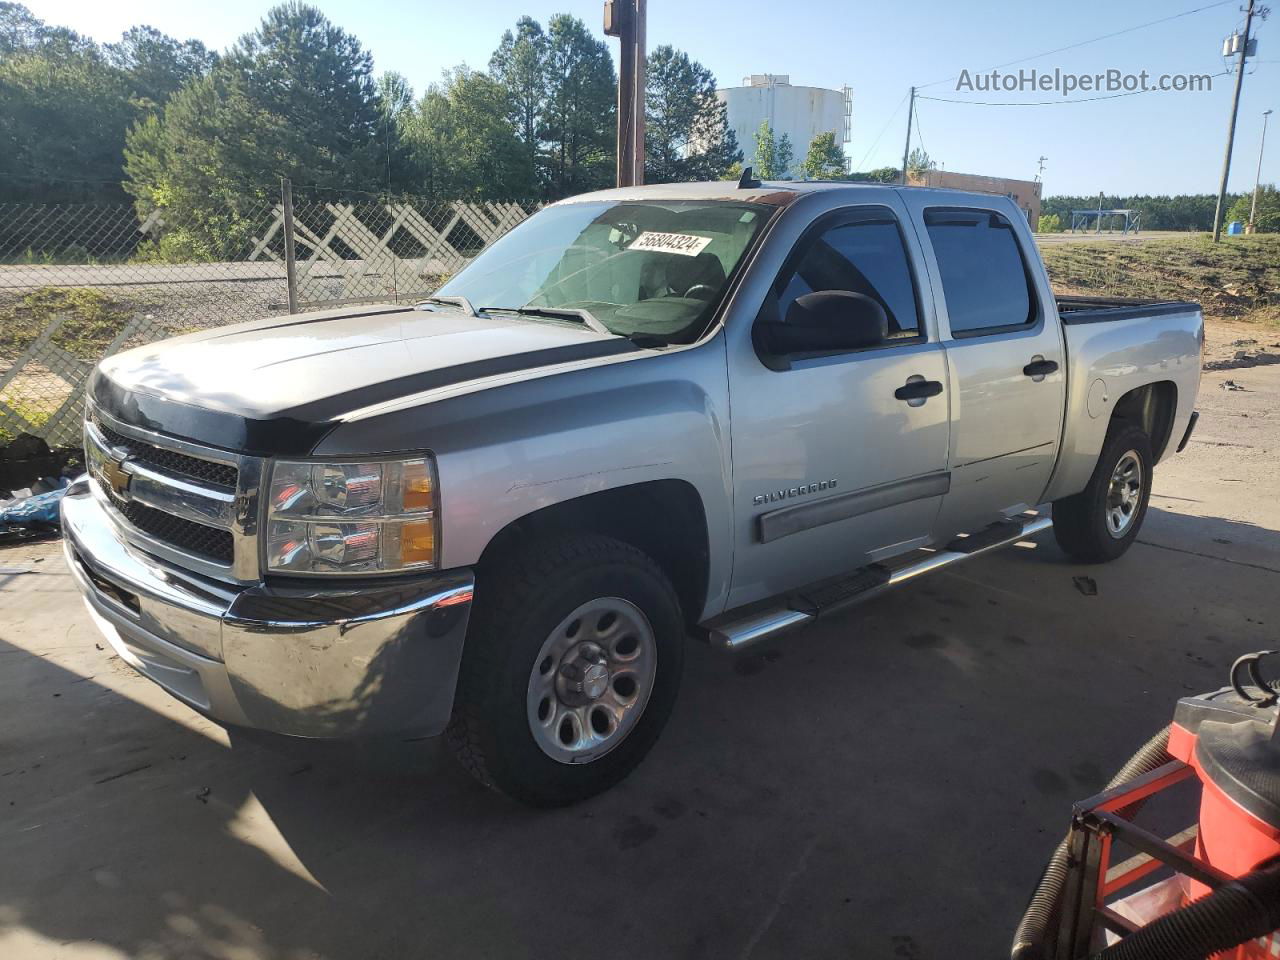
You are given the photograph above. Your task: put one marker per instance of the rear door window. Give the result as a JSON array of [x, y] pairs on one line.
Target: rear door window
[[985, 279]]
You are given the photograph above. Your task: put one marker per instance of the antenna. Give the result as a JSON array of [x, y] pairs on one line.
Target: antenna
[[747, 181]]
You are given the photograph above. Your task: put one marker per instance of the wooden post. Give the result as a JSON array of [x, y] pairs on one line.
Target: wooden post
[[638, 93], [625, 19], [290, 257]]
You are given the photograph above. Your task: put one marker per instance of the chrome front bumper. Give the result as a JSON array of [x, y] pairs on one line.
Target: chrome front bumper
[[342, 662]]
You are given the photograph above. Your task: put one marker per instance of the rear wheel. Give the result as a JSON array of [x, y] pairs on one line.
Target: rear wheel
[[1101, 522], [571, 667]]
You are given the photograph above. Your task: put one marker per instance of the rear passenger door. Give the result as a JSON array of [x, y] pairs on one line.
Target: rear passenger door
[[1005, 357]]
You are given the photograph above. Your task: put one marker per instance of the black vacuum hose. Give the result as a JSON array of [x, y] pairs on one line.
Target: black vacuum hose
[[1030, 940], [1233, 914]]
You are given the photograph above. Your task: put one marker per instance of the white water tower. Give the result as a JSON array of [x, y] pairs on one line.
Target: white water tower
[[799, 112]]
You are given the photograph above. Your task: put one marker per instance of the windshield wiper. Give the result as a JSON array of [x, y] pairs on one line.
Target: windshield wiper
[[584, 317], [462, 302]]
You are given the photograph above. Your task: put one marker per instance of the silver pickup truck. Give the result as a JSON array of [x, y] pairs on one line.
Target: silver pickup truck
[[713, 409]]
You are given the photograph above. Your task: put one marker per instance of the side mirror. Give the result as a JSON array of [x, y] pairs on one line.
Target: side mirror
[[827, 320]]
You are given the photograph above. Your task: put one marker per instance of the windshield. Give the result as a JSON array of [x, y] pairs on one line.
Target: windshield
[[652, 268]]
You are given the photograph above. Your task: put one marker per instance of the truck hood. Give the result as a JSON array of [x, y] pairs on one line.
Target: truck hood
[[276, 385]]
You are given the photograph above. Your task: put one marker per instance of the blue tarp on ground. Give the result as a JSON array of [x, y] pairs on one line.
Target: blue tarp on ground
[[36, 511]]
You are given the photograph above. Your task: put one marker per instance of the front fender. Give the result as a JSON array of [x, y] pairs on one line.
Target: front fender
[[507, 450]]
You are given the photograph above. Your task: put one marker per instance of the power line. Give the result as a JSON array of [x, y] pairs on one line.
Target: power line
[[876, 142], [1084, 43]]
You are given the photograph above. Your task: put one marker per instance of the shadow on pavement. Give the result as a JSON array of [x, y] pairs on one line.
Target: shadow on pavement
[[885, 783]]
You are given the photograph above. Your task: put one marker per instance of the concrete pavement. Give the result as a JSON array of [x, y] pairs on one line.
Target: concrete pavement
[[885, 784]]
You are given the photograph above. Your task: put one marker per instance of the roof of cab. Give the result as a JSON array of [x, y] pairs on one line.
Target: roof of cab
[[777, 192]]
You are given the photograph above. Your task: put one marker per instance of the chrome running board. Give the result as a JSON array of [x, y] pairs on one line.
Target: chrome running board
[[806, 605]]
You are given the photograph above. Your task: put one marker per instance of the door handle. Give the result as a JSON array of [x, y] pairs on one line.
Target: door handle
[[1040, 368], [918, 390]]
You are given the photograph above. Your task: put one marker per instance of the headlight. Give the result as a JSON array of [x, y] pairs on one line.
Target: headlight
[[351, 517]]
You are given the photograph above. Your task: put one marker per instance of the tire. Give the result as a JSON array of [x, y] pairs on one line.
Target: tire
[[524, 651], [1101, 522]]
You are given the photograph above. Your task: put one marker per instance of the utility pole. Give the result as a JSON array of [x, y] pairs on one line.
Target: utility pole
[[625, 19], [1257, 180], [1040, 172], [906, 150], [1231, 124], [642, 17]]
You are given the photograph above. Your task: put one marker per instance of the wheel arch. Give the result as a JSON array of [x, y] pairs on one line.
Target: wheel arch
[[664, 518], [1153, 407]]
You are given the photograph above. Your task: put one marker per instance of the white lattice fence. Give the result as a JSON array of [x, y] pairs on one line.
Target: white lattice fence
[[42, 392], [79, 282], [351, 252]]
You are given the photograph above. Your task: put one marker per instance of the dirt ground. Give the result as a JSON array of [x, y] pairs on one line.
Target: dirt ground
[[887, 783]]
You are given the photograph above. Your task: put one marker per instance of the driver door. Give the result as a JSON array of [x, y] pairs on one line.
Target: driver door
[[835, 464]]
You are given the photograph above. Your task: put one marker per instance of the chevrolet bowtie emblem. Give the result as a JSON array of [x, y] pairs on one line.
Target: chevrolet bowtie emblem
[[114, 474]]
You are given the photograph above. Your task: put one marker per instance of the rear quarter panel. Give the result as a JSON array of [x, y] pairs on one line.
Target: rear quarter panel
[[1109, 359]]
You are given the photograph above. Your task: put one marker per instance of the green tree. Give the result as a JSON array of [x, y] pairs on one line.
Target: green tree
[[300, 67], [878, 175], [157, 65], [395, 109], [21, 30], [919, 163], [825, 160], [296, 97], [1267, 218], [63, 115], [687, 135], [1180, 212], [66, 103], [520, 66], [206, 167], [578, 120], [462, 143], [1050, 223], [773, 154]]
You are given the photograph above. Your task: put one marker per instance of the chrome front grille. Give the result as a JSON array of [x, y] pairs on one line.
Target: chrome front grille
[[200, 539], [169, 461], [192, 505]]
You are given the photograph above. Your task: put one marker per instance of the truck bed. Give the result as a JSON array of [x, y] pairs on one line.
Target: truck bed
[[1114, 346], [1075, 310]]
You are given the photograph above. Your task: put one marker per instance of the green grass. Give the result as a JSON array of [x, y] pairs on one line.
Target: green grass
[[93, 318], [35, 416], [1238, 278]]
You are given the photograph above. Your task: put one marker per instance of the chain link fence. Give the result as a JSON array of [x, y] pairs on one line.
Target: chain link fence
[[79, 282]]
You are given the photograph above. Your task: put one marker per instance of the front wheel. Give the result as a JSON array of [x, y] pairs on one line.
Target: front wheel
[[1101, 522], [571, 667]]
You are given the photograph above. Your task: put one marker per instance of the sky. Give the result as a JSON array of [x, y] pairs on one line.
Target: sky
[[1163, 142]]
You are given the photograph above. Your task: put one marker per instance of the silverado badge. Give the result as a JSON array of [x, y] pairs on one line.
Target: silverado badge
[[786, 494]]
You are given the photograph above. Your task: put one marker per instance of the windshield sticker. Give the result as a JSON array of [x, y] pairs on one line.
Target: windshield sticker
[[685, 244]]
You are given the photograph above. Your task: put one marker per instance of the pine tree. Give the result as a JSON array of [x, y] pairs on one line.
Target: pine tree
[[296, 98], [578, 120], [462, 143], [687, 135], [520, 66]]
